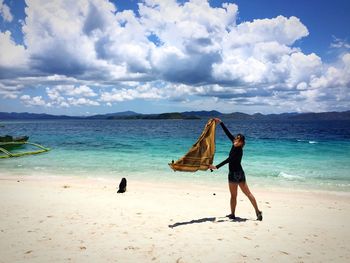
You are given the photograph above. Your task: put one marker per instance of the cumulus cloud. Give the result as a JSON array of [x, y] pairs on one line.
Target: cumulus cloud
[[90, 53], [280, 29], [260, 52], [33, 101], [82, 102], [146, 91], [63, 96], [11, 54], [72, 90], [190, 37], [66, 95], [5, 12], [54, 37], [336, 76]]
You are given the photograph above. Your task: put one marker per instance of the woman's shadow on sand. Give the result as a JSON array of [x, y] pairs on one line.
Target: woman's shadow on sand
[[209, 219]]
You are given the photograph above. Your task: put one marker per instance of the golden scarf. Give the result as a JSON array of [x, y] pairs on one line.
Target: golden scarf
[[201, 155]]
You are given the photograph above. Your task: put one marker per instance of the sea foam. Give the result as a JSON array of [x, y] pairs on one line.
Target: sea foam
[[290, 176]]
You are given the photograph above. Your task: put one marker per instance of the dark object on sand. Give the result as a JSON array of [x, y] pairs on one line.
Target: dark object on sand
[[122, 186]]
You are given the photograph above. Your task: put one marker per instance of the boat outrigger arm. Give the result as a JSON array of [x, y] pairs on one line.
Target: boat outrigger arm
[[9, 154]]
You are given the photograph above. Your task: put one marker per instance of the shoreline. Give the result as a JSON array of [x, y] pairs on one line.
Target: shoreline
[[61, 219], [190, 179]]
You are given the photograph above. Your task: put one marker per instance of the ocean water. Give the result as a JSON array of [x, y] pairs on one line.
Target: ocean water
[[299, 154]]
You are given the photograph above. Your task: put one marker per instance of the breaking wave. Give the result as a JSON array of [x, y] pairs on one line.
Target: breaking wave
[[290, 176]]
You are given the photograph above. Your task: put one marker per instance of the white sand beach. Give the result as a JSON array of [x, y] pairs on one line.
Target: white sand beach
[[61, 219]]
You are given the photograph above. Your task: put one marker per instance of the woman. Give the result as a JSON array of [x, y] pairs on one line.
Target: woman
[[236, 176]]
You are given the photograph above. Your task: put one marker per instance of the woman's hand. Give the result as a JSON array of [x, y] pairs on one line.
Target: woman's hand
[[212, 167], [217, 120]]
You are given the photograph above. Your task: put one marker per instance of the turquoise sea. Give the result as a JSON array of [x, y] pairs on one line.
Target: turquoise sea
[[297, 154]]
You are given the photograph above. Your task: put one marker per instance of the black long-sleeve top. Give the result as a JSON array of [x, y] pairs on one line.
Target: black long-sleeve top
[[235, 156]]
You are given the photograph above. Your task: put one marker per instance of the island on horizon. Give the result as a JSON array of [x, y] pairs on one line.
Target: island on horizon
[[187, 115]]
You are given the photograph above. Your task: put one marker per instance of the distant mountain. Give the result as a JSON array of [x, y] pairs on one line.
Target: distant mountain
[[185, 115], [162, 116], [31, 116], [112, 115], [242, 116], [202, 114], [345, 115]]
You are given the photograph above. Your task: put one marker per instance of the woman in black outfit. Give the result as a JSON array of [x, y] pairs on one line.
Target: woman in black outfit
[[236, 176]]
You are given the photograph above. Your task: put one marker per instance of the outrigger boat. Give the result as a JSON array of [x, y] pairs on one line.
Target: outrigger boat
[[9, 143]]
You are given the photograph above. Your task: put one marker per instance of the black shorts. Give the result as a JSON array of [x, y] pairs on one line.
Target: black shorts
[[236, 177]]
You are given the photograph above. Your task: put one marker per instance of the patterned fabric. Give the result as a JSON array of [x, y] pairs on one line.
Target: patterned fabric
[[201, 155]]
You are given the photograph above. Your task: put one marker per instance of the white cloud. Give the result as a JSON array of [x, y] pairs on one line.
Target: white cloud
[[340, 43], [82, 102], [283, 30], [5, 12], [190, 37], [63, 96], [32, 101], [335, 75], [72, 90], [145, 91], [259, 52], [11, 54], [59, 35], [58, 95], [335, 79], [197, 44], [303, 67], [172, 51], [9, 92]]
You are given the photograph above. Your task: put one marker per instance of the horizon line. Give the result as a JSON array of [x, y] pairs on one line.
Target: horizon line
[[138, 113]]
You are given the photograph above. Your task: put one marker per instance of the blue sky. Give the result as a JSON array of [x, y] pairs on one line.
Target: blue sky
[[97, 56]]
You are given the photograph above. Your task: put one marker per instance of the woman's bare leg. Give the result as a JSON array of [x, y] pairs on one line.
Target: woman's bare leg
[[233, 201], [245, 189]]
